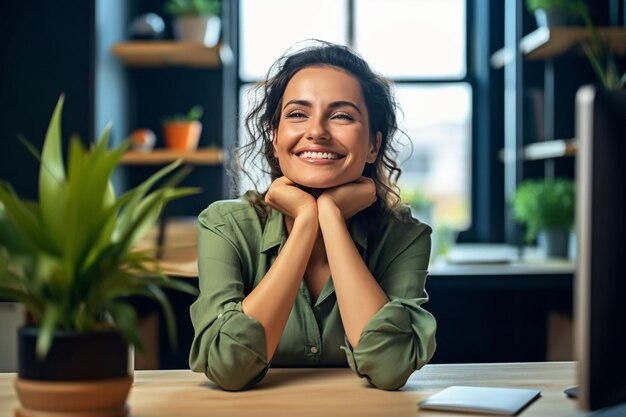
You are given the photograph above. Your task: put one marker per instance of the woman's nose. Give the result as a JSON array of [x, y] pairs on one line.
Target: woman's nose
[[316, 129]]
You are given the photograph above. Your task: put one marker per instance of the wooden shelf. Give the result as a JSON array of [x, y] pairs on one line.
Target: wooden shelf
[[167, 53], [207, 156], [547, 149], [544, 43], [550, 149]]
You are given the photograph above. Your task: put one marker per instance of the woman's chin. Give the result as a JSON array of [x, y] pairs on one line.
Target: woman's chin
[[318, 183]]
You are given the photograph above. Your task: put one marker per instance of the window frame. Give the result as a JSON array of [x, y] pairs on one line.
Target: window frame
[[486, 190]]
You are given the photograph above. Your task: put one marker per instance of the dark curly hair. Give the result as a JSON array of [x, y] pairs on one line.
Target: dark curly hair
[[381, 106]]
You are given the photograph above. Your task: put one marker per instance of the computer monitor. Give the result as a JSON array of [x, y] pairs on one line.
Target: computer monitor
[[600, 289]]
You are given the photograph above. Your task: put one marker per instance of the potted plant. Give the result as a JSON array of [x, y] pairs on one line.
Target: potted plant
[[69, 259], [547, 210], [599, 55], [550, 13], [421, 206], [182, 131], [196, 20]]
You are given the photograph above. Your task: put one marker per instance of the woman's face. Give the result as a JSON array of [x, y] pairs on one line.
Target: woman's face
[[323, 136]]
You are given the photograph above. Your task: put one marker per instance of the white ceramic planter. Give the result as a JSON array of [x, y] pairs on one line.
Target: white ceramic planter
[[198, 29]]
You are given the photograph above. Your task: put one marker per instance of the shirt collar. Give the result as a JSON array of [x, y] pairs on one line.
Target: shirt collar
[[274, 231]]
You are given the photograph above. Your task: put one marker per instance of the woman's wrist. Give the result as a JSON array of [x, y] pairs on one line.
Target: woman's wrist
[[307, 216], [329, 214]]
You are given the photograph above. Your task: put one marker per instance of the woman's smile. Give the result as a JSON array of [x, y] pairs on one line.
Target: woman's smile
[[319, 156]]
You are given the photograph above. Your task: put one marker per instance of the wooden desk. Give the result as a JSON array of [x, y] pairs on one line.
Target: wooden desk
[[324, 392]]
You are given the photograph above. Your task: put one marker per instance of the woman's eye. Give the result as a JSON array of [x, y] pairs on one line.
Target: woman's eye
[[296, 114], [344, 116]]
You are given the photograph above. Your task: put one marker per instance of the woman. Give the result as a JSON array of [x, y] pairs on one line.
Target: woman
[[325, 268]]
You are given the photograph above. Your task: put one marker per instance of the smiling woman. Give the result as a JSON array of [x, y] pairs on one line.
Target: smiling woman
[[326, 267]]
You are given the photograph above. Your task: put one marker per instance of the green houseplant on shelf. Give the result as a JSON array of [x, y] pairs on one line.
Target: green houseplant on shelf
[[561, 12], [196, 21], [547, 209], [421, 205], [599, 54], [550, 13], [69, 259]]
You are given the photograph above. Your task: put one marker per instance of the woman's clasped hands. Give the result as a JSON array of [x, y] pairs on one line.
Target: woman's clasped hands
[[345, 200]]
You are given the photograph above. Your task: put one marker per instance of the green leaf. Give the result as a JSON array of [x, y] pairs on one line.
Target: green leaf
[[50, 319], [22, 296], [595, 63], [154, 292], [125, 319], [52, 177], [128, 213], [27, 219]]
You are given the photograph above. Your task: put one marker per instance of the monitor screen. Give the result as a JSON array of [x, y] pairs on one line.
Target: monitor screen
[[600, 290]]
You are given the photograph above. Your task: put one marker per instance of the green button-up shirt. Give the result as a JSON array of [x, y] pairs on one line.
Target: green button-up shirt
[[235, 251]]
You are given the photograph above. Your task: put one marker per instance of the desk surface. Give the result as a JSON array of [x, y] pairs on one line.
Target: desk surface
[[325, 392]]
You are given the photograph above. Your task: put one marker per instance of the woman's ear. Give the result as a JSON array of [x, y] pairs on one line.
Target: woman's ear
[[374, 148]]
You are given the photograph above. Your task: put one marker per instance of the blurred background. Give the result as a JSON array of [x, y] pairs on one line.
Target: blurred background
[[480, 83]]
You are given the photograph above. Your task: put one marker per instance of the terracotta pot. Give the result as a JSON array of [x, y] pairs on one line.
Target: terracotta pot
[[198, 29], [182, 136], [83, 374]]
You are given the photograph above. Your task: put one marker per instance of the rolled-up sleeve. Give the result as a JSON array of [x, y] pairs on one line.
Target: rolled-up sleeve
[[400, 338], [228, 346]]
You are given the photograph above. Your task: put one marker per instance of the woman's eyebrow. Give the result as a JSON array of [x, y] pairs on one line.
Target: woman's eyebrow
[[304, 103], [332, 105], [342, 103]]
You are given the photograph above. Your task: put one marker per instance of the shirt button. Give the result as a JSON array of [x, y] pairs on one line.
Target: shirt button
[[314, 349], [219, 316]]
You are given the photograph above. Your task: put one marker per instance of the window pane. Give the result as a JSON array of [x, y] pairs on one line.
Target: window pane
[[437, 119], [412, 38], [269, 27]]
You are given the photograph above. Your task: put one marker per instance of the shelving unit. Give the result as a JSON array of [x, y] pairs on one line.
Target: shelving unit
[[543, 150], [544, 44], [167, 53], [547, 43]]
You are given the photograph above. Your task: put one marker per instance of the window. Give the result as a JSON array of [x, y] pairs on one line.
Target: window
[[420, 45]]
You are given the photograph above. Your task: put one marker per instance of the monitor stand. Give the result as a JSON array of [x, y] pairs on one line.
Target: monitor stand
[[613, 411], [571, 392]]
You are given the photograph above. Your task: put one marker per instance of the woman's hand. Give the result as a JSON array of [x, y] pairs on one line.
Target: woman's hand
[[349, 198], [285, 196]]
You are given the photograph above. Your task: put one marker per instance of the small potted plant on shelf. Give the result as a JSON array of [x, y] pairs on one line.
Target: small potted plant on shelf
[[196, 20], [182, 131], [547, 209], [551, 13], [69, 259]]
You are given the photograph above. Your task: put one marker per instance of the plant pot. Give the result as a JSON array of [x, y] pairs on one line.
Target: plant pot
[[552, 18], [554, 242], [83, 374], [198, 29], [182, 136]]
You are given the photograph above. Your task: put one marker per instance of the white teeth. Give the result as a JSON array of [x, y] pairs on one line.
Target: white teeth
[[319, 155]]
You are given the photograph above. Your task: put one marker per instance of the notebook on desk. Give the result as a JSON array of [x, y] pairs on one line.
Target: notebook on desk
[[482, 254], [483, 400]]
